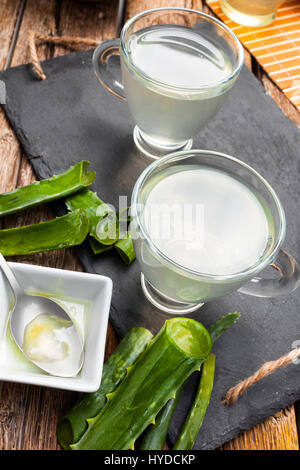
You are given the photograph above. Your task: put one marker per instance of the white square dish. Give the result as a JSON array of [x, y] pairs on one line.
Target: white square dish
[[92, 292]]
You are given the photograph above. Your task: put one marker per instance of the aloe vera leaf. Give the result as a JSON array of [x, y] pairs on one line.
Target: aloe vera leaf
[[68, 230], [73, 424], [179, 348], [40, 192], [155, 435], [218, 328], [98, 248], [194, 420], [124, 215], [124, 247], [102, 218]]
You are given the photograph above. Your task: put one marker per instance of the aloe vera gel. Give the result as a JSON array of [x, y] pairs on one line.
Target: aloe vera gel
[[46, 338]]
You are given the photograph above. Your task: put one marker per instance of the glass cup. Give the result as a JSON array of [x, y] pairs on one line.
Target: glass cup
[[167, 115], [176, 289], [251, 12]]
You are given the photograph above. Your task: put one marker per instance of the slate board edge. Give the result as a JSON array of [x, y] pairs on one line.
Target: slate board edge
[[88, 55], [17, 130], [231, 434]]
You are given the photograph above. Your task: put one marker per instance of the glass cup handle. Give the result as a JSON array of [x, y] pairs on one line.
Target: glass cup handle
[[289, 279], [100, 59]]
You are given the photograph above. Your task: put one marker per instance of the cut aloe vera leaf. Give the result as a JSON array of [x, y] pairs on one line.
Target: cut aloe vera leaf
[[40, 192], [98, 248], [103, 220], [62, 232], [124, 247], [218, 328], [194, 420], [73, 424], [179, 349], [155, 435]]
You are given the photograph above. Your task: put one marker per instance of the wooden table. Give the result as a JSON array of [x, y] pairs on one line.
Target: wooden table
[[28, 415]]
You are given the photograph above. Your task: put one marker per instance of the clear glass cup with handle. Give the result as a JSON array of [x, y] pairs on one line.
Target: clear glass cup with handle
[[177, 68], [241, 232], [254, 13]]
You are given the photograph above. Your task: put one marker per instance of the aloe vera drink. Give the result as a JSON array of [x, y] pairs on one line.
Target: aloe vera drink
[[206, 221], [181, 84]]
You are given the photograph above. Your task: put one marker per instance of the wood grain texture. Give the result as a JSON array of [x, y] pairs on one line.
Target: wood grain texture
[[277, 433], [281, 99], [9, 10], [28, 415]]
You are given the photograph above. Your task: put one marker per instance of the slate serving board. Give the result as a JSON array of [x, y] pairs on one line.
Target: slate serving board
[[70, 117]]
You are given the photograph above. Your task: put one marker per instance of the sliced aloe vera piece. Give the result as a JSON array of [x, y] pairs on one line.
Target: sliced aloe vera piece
[[124, 247], [179, 349], [194, 420], [40, 192], [73, 424], [62, 232], [218, 328], [104, 225], [98, 248], [103, 220]]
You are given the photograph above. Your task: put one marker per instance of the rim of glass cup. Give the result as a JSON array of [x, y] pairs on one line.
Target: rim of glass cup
[[177, 156], [208, 86]]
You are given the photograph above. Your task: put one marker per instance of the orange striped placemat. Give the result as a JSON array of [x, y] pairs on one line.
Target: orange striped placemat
[[276, 47]]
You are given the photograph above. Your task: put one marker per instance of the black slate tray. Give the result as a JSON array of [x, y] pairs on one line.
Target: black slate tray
[[70, 117]]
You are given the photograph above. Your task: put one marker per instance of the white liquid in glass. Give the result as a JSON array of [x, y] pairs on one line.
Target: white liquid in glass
[[205, 221], [217, 225], [178, 57]]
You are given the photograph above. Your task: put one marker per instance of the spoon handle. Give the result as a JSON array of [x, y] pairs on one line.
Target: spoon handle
[[17, 290]]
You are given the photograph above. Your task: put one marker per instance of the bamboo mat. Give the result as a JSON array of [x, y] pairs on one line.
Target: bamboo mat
[[276, 47]]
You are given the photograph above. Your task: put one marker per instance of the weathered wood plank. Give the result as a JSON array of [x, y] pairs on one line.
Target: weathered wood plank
[[281, 99], [134, 7], [277, 433], [9, 11], [28, 415], [96, 21], [21, 404]]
